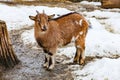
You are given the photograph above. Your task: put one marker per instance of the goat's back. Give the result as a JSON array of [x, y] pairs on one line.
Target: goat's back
[[70, 25]]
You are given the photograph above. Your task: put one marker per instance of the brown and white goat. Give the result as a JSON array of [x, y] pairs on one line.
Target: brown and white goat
[[52, 33]]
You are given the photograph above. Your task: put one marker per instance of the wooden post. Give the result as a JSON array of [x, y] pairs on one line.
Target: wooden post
[[7, 55]]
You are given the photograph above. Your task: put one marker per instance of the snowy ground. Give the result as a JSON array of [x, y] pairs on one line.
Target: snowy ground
[[102, 41]]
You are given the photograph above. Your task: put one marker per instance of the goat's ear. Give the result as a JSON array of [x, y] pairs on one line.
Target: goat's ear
[[32, 18], [51, 16]]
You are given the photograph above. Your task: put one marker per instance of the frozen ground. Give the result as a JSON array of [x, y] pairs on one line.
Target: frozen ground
[[102, 42]]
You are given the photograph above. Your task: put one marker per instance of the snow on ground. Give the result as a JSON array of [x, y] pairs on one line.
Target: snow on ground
[[28, 39], [103, 69], [91, 3], [111, 19], [99, 41]]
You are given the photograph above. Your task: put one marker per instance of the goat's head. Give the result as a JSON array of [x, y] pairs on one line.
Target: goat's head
[[41, 20]]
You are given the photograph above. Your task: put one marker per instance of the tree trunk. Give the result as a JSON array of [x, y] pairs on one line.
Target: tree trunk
[[7, 55]]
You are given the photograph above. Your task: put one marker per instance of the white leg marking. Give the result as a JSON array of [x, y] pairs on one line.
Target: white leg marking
[[80, 22], [46, 64], [76, 37], [73, 38], [81, 33], [76, 22], [83, 55], [53, 62], [78, 46]]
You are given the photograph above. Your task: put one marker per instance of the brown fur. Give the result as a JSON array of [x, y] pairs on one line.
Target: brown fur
[[60, 31]]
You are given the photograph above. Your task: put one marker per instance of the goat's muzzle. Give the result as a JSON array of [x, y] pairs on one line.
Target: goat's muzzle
[[44, 28]]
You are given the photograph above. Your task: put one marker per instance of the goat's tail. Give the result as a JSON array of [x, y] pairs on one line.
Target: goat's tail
[[90, 26]]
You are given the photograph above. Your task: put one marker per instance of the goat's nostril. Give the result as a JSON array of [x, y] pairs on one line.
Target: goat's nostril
[[44, 28]]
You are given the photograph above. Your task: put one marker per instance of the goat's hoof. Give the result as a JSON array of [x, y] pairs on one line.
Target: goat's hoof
[[75, 61], [50, 67], [82, 62], [45, 65]]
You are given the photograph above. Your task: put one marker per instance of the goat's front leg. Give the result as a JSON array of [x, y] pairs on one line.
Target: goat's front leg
[[46, 63], [51, 61]]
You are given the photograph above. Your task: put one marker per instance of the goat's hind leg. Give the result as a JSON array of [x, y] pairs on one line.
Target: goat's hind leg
[[82, 57], [80, 48], [77, 55]]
